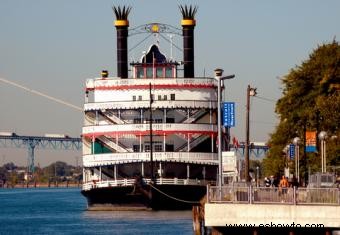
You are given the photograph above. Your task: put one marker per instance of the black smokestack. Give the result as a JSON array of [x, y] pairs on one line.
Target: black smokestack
[[122, 25], [188, 25]]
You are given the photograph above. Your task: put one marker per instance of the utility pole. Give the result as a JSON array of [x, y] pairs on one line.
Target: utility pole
[[250, 92]]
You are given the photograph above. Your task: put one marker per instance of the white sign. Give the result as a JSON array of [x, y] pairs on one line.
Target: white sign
[[229, 161]]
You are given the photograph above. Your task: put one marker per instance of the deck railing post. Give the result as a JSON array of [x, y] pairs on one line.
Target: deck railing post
[[250, 190], [208, 199], [294, 195]]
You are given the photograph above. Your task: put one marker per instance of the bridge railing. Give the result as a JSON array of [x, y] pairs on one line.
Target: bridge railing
[[265, 195]]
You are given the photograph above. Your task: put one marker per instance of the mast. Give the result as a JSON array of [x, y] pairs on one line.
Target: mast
[[151, 140]]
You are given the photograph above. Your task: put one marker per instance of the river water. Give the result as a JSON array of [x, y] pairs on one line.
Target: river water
[[63, 211]]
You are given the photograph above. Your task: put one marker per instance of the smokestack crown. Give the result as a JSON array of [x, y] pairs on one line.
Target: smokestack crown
[[188, 24], [122, 25], [188, 13], [122, 14]]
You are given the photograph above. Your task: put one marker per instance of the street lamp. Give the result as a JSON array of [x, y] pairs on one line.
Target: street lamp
[[250, 92], [296, 142], [323, 136], [257, 175], [219, 78]]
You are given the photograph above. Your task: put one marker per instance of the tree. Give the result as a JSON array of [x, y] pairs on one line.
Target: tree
[[310, 101]]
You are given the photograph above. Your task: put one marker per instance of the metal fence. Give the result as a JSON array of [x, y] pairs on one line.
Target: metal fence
[[265, 195]]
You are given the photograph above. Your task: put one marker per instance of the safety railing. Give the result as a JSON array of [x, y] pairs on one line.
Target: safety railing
[[129, 182], [265, 195], [117, 158]]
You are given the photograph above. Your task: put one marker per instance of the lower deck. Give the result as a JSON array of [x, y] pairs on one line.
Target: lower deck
[[162, 170]]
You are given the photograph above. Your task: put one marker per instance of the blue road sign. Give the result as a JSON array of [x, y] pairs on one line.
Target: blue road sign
[[291, 151], [229, 114]]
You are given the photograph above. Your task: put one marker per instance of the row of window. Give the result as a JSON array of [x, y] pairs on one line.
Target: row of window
[[157, 147], [160, 97], [154, 120], [161, 72]]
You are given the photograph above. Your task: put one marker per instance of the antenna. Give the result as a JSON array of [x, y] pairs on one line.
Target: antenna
[[41, 94]]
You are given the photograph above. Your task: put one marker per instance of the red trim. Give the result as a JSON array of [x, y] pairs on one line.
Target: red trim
[[144, 133], [160, 86]]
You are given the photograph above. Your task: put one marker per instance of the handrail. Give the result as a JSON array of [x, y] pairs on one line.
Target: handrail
[[129, 182], [269, 195], [116, 158], [130, 104], [114, 82], [144, 127]]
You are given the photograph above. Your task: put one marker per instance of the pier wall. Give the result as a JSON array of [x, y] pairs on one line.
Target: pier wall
[[228, 214]]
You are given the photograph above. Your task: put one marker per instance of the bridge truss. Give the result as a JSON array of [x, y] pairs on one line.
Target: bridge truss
[[40, 142]]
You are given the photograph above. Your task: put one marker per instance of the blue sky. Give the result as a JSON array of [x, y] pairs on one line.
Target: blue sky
[[53, 46]]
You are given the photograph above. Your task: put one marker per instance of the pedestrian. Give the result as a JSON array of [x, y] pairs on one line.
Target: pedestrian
[[267, 182], [272, 181], [283, 185]]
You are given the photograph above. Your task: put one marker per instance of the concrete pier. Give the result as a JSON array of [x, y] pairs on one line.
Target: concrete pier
[[255, 210], [273, 215]]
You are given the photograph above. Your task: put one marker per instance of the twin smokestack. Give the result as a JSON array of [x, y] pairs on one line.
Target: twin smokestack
[[188, 24]]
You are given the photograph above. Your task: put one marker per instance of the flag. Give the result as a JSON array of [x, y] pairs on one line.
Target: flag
[[235, 143]]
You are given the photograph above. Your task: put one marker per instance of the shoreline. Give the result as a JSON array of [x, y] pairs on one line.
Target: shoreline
[[43, 185]]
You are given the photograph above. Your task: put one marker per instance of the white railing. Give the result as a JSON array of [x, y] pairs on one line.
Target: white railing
[[112, 144], [131, 128], [113, 117], [129, 182], [193, 143], [192, 118], [265, 195], [114, 82], [146, 104], [117, 158]]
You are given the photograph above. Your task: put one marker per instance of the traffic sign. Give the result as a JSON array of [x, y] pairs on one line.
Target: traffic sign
[[229, 114], [291, 151]]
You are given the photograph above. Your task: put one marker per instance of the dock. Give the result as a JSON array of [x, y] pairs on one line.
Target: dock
[[263, 210]]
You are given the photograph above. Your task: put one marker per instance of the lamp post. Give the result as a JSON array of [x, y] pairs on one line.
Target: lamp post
[[257, 176], [250, 92], [219, 78], [296, 142], [323, 137]]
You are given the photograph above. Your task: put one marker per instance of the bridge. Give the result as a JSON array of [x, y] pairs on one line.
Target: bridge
[[42, 142], [63, 142]]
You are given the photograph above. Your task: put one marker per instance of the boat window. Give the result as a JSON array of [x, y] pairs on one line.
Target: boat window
[[140, 97], [172, 96], [149, 72], [140, 72], [165, 97], [137, 120], [159, 97], [134, 98], [159, 72], [157, 120], [158, 148], [168, 72], [136, 148]]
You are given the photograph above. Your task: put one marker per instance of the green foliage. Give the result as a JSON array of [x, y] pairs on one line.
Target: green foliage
[[310, 101]]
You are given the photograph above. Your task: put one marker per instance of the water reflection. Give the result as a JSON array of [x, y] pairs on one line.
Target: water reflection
[[139, 215]]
